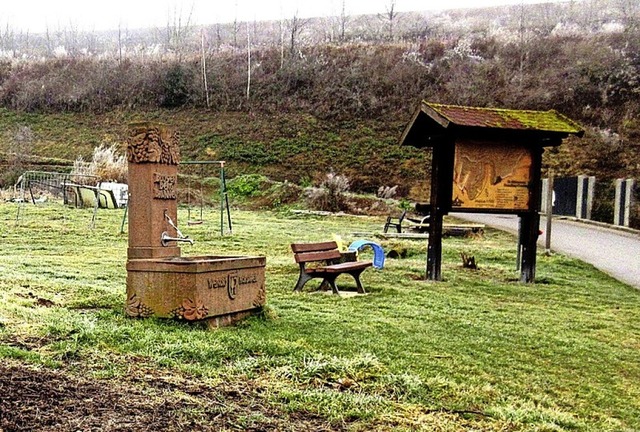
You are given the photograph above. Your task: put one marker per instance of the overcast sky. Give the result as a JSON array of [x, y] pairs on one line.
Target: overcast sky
[[37, 15]]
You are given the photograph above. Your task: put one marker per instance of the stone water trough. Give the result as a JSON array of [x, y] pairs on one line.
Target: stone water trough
[[160, 282]]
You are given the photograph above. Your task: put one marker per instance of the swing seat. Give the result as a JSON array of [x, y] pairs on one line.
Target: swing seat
[[194, 222]]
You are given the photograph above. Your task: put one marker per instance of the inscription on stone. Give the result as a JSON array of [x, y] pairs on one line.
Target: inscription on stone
[[232, 282], [246, 280], [164, 186], [217, 283]]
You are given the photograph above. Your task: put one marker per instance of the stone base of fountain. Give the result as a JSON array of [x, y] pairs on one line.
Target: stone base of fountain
[[160, 283], [218, 289]]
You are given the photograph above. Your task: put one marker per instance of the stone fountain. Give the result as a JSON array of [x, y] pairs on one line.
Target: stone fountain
[[160, 282]]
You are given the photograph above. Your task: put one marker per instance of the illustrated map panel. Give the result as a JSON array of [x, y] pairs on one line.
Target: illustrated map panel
[[491, 176]]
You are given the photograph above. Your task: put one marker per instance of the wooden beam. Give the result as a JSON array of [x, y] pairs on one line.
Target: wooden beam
[[442, 121], [441, 184], [530, 221]]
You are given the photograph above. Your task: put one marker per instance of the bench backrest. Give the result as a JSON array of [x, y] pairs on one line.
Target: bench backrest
[[308, 252]]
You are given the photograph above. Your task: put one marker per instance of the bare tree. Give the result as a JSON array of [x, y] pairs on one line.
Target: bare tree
[[25, 41], [8, 40], [71, 36], [120, 42], [204, 68], [523, 44], [49, 42], [91, 41], [236, 27], [296, 25], [218, 36], [344, 20], [282, 34], [178, 29], [337, 23], [248, 61], [548, 16], [590, 12], [629, 10], [390, 17]]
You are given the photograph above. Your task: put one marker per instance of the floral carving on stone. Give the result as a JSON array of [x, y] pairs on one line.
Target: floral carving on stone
[[261, 298], [191, 310], [153, 144], [136, 309]]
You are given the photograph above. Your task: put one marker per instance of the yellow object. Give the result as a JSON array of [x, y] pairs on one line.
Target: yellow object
[[339, 242]]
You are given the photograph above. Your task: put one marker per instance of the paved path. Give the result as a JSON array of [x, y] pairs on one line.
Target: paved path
[[612, 251]]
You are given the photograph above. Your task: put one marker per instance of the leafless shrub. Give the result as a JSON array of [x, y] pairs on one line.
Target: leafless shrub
[[330, 196], [387, 192], [106, 164]]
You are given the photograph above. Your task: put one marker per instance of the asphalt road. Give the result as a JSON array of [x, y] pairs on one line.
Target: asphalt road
[[612, 251]]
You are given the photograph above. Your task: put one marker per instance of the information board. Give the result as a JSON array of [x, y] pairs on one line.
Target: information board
[[491, 175]]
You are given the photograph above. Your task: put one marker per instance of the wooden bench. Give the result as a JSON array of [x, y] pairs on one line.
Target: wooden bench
[[420, 224], [395, 222], [327, 257]]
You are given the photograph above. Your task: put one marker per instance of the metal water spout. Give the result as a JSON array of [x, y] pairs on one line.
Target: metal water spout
[[165, 238]]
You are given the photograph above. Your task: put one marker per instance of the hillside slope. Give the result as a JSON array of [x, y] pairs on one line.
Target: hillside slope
[[298, 148]]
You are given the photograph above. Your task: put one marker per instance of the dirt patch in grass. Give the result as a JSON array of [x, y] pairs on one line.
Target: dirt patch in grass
[[49, 400]]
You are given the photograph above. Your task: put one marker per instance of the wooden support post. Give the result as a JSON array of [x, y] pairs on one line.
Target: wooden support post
[[434, 249], [519, 248], [530, 221], [441, 191], [529, 238]]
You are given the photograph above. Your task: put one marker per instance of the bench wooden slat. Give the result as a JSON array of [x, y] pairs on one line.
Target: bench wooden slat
[[313, 247], [340, 268], [347, 266], [317, 256]]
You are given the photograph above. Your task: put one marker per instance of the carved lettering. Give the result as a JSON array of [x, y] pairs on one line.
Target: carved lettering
[[164, 186], [217, 283], [232, 282], [246, 280]]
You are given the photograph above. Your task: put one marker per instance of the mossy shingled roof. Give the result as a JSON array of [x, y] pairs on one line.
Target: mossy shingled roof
[[500, 118]]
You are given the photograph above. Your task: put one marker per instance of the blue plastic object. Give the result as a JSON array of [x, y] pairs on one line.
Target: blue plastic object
[[378, 252]]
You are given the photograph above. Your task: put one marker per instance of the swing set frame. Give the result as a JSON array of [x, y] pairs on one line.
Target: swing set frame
[[224, 196]]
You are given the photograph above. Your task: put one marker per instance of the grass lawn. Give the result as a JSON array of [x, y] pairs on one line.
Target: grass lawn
[[478, 351]]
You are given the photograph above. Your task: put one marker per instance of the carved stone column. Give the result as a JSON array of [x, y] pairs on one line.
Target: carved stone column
[[153, 155]]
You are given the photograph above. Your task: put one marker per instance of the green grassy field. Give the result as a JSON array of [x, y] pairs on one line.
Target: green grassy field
[[478, 351]]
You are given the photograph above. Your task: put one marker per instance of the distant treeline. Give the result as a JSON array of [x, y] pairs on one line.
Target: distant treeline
[[595, 79]]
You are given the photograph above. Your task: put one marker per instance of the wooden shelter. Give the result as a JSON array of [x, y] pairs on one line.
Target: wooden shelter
[[486, 160]]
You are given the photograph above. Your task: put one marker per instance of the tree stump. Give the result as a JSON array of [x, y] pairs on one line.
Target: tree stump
[[468, 261]]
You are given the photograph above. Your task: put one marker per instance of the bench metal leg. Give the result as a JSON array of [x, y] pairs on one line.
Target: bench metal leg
[[302, 279], [356, 276], [331, 281]]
